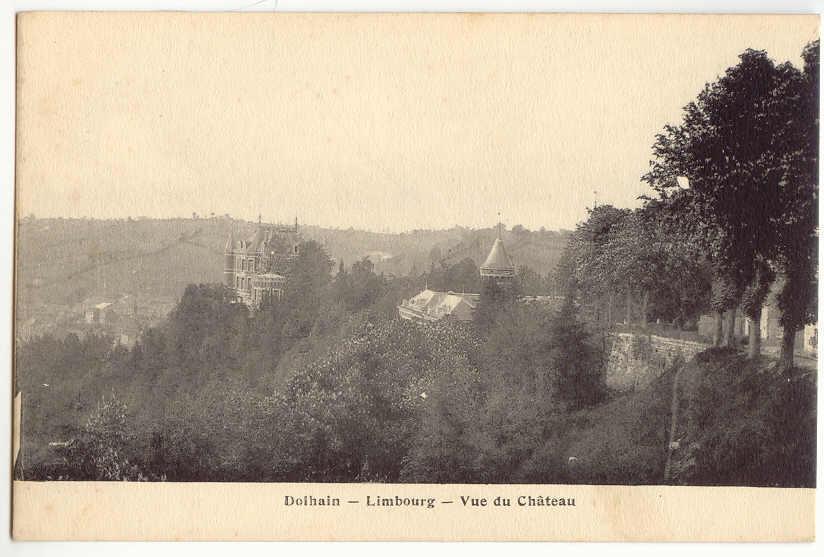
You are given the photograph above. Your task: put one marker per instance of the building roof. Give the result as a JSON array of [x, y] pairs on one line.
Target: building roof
[[498, 259], [439, 304], [258, 240], [266, 238]]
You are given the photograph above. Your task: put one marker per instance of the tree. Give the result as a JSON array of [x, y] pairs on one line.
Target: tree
[[495, 299], [636, 258], [752, 301], [680, 280], [729, 147], [589, 273], [105, 442], [580, 373], [797, 236], [308, 280], [531, 283], [462, 276]]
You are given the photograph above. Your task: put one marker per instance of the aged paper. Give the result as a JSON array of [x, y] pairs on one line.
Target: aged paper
[[187, 140], [131, 511]]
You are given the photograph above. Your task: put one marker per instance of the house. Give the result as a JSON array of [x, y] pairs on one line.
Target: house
[[258, 268], [99, 314], [431, 305]]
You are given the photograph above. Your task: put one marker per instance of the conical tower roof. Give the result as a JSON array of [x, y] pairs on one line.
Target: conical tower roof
[[498, 260]]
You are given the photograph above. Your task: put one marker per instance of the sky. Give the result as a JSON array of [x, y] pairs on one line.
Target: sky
[[377, 122]]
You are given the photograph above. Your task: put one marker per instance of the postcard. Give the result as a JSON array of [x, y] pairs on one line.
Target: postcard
[[415, 277]]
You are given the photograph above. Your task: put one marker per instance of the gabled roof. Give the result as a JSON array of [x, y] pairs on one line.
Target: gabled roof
[[440, 303], [422, 298]]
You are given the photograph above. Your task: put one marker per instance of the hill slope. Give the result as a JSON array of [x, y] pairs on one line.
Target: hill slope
[[63, 261], [739, 423]]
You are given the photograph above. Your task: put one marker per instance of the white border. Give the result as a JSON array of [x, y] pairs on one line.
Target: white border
[[7, 81]]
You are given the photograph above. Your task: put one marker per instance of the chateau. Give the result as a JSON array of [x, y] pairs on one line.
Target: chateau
[[257, 268]]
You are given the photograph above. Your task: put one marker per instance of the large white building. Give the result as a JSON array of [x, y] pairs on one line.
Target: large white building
[[431, 305]]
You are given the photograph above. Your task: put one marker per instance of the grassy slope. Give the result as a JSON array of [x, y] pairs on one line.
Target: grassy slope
[[739, 424], [743, 424]]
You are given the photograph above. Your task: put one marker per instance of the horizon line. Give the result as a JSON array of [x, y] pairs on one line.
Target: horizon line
[[30, 217]]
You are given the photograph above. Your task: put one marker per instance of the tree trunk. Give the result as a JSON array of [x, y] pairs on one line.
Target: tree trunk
[[729, 337], [785, 360], [719, 329], [754, 348], [644, 304], [629, 307], [610, 301]]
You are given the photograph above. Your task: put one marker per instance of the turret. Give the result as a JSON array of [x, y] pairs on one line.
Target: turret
[[498, 266], [229, 260]]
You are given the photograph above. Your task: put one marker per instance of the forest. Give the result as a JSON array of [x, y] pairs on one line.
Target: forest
[[327, 384]]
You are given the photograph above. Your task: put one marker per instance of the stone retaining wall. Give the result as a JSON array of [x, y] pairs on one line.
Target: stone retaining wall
[[636, 360]]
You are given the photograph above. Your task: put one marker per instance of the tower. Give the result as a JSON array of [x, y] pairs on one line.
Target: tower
[[498, 267], [229, 260]]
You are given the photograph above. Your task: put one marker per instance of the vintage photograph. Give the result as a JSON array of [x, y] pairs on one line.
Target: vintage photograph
[[429, 249]]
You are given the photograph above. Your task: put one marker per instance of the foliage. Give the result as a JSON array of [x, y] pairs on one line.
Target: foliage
[[797, 236], [618, 255], [768, 433], [351, 414], [748, 146], [459, 277], [105, 440], [327, 384]]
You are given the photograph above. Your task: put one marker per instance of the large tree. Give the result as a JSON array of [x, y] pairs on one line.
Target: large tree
[[797, 197], [589, 277], [729, 148]]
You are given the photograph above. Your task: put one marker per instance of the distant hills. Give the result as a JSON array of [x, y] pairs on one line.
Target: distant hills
[[64, 261]]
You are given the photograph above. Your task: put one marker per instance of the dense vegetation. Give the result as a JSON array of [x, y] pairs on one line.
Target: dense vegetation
[[328, 384], [734, 211], [325, 385]]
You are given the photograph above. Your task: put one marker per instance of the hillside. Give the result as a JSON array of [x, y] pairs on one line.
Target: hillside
[[738, 423], [64, 261]]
